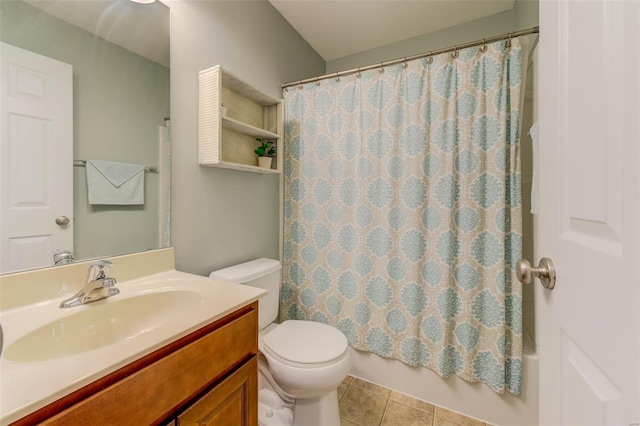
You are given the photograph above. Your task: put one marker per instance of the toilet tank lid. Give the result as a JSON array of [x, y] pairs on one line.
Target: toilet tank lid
[[247, 271]]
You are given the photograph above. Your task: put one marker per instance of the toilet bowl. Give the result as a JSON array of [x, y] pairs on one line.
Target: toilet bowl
[[307, 360]]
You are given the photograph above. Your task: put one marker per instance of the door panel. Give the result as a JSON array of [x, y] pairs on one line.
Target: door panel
[[588, 224], [35, 159], [592, 398], [29, 156]]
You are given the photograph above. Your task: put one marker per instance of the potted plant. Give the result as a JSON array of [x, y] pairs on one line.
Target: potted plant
[[265, 152]]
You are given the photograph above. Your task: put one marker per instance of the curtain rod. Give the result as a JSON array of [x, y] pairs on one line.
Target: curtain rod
[[507, 36]]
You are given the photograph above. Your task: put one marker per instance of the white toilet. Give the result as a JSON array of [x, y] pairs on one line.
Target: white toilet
[[308, 360]]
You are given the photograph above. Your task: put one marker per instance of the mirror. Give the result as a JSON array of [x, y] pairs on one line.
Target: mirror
[[118, 53]]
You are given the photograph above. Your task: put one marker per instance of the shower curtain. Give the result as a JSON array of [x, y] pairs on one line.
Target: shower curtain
[[165, 184], [403, 211]]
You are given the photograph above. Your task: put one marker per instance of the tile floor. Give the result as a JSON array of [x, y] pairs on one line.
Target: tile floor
[[364, 403]]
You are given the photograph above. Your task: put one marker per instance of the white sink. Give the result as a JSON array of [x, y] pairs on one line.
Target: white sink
[[101, 323]]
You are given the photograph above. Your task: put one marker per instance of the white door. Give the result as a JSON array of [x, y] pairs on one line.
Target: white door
[[36, 158], [589, 222]]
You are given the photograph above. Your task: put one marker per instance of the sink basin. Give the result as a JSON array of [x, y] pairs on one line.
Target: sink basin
[[100, 324]]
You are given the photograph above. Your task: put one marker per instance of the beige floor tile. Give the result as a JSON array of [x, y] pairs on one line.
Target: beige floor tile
[[439, 421], [342, 388], [362, 407], [412, 402], [399, 414], [363, 403], [372, 387], [456, 418]]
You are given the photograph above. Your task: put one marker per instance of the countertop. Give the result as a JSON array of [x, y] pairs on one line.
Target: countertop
[[28, 386]]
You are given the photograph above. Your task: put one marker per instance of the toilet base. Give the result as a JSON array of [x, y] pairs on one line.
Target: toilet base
[[321, 411]]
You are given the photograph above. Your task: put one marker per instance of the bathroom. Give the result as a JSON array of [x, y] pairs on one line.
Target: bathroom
[[199, 213], [221, 217]]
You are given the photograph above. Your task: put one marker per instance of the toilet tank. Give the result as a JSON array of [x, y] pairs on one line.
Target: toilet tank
[[262, 273]]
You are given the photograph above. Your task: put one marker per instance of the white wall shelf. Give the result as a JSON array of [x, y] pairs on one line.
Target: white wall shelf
[[246, 168], [229, 141], [247, 129]]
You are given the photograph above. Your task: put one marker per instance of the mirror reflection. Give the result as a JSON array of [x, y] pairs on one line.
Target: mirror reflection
[[84, 158]]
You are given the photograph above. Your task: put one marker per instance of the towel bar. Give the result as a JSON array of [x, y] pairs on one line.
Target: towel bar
[[83, 163]]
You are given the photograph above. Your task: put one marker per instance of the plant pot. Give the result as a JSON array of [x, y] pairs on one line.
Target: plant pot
[[265, 162]]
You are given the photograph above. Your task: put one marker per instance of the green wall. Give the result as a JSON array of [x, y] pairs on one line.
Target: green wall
[[523, 15], [223, 217]]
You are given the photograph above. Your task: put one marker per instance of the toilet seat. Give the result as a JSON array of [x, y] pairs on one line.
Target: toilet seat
[[305, 344]]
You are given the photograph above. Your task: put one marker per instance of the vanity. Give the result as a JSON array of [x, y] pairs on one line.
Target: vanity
[[171, 348]]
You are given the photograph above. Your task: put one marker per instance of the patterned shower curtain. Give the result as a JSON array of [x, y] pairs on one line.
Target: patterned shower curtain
[[403, 211]]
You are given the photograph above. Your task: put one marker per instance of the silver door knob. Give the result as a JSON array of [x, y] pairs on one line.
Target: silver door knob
[[546, 272], [62, 220]]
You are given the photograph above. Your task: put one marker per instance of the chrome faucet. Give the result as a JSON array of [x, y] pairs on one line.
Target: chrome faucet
[[63, 257], [98, 286]]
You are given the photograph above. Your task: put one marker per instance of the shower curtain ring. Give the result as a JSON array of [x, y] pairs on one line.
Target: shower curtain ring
[[337, 76], [317, 81], [484, 46], [405, 64], [455, 53], [358, 73], [429, 58], [381, 69], [300, 84], [508, 44]]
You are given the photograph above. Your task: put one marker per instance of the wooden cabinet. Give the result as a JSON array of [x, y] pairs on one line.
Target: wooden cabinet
[[227, 404], [227, 136], [206, 378]]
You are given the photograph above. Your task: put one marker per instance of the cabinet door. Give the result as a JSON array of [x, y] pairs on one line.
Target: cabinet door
[[234, 402]]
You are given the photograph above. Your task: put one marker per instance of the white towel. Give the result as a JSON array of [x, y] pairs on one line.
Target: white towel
[[533, 132], [115, 183]]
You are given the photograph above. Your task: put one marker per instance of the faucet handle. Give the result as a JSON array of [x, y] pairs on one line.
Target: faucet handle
[[109, 282], [101, 264], [98, 270]]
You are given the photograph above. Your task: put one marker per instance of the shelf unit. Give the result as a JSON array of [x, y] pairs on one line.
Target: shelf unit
[[228, 141]]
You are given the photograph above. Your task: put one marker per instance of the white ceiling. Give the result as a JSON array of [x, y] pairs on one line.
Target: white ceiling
[[338, 28], [140, 28], [334, 28]]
